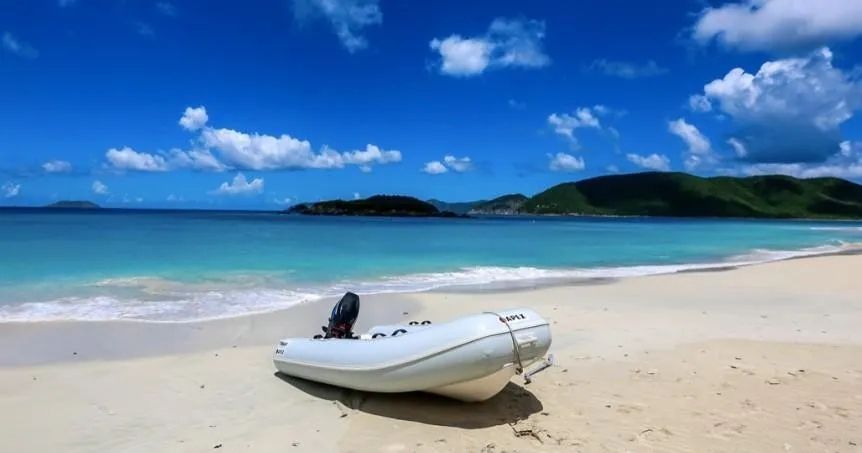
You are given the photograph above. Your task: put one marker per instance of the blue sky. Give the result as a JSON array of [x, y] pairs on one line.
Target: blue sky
[[222, 105]]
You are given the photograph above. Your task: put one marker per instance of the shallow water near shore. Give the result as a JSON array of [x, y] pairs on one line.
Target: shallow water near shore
[[189, 265]]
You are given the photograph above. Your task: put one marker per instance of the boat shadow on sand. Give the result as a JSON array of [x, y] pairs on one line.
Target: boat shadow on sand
[[514, 403]]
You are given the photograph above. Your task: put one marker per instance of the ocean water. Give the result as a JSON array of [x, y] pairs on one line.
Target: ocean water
[[190, 265]]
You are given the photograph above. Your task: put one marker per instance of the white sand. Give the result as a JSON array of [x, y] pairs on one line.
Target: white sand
[[764, 358]]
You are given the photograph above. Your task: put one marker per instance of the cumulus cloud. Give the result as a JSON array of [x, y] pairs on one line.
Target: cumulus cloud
[[790, 110], [779, 25], [698, 148], [240, 186], [658, 162], [435, 167], [458, 164], [449, 162], [565, 124], [223, 149], [348, 18], [267, 152], [17, 47], [565, 162], [10, 189], [627, 69], [372, 154], [127, 158], [99, 188], [194, 118], [57, 166], [699, 103], [507, 43]]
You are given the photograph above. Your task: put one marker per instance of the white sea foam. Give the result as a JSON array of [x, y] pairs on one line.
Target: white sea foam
[[172, 301]]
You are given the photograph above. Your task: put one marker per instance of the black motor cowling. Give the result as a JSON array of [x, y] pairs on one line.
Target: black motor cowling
[[343, 316]]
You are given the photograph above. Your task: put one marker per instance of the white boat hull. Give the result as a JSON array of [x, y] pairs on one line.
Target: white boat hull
[[470, 359]]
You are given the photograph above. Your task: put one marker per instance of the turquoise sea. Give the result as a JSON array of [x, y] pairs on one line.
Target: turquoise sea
[[188, 265]]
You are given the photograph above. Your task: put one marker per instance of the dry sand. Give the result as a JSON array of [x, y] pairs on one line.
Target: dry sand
[[763, 358]]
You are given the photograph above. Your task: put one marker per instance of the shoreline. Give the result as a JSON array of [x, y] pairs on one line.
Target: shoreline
[[758, 358], [525, 278]]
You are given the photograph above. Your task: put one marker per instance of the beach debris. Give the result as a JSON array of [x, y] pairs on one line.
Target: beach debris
[[652, 372], [737, 358], [489, 448], [734, 367], [202, 385], [608, 406], [773, 381], [217, 446], [294, 444], [74, 352], [526, 432]]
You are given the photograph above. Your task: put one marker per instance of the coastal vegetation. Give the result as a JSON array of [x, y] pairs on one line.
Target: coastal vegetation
[[378, 205], [637, 194]]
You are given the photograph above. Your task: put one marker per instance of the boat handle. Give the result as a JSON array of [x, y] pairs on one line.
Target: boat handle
[[547, 363]]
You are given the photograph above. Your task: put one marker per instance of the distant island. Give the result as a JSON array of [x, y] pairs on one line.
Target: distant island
[[378, 205], [656, 194], [74, 204]]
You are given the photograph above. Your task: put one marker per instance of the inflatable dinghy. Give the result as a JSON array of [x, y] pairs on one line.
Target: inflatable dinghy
[[470, 358]]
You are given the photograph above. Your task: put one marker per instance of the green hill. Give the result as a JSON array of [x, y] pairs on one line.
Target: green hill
[[684, 195], [378, 205], [504, 205], [458, 207]]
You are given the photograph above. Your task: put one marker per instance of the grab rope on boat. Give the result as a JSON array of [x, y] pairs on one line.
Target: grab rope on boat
[[520, 368]]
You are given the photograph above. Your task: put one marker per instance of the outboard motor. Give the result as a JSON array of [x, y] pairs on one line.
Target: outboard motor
[[343, 316]]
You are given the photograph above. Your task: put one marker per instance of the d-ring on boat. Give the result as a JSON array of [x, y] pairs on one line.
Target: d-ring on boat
[[470, 358]]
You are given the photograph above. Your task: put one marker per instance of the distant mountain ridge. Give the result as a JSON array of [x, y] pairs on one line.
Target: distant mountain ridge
[[458, 207], [657, 194], [685, 195], [504, 205]]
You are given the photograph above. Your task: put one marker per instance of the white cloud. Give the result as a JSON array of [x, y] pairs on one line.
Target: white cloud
[[738, 147], [10, 189], [507, 43], [612, 169], [224, 149], [777, 25], [240, 186], [348, 18], [283, 201], [126, 158], [458, 164], [435, 167], [372, 154], [17, 47], [99, 188], [696, 142], [194, 118], [356, 196], [565, 162], [267, 152], [658, 162], [699, 103], [626, 69], [166, 8], [565, 124], [791, 109], [57, 166], [698, 148]]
